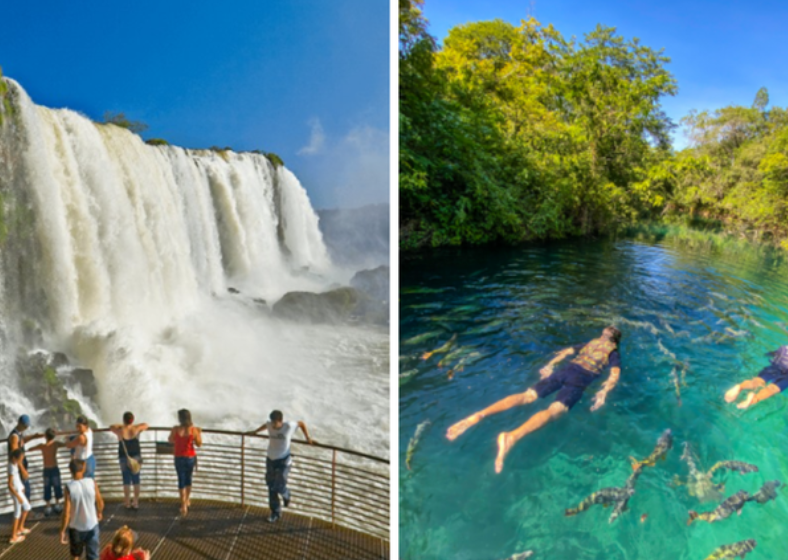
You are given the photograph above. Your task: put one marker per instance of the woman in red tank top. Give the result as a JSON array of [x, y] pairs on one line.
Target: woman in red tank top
[[185, 436]]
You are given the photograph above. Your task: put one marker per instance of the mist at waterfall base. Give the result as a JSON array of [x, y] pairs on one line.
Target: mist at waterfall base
[[122, 256]]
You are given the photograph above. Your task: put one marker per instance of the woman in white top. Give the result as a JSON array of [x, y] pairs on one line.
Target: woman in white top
[[82, 445]]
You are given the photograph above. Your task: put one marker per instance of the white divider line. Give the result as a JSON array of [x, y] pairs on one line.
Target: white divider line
[[164, 537], [10, 548], [237, 532]]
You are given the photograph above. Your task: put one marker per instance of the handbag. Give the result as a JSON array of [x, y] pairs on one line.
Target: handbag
[[133, 464]]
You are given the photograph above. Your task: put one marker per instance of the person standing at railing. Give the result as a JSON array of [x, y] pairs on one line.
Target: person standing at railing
[[17, 440], [130, 457], [17, 489], [82, 445], [278, 461], [185, 437], [83, 510], [51, 470]]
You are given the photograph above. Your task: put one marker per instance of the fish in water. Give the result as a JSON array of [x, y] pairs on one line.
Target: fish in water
[[767, 492], [699, 483], [735, 550], [643, 517], [445, 348], [416, 290], [467, 360], [665, 351], [733, 504], [675, 378], [621, 505], [455, 354], [424, 337], [738, 466], [737, 334], [490, 327], [605, 497], [664, 443], [521, 555], [426, 306], [414, 441], [405, 376]]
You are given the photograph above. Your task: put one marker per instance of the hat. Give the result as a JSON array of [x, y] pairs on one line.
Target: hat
[[25, 420]]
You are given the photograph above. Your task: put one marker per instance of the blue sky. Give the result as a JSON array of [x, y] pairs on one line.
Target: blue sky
[[721, 52], [306, 79]]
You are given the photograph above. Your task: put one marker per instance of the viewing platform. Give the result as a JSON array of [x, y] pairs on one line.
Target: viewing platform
[[339, 508]]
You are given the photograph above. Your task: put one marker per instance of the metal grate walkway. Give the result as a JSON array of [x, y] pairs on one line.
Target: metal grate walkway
[[212, 531]]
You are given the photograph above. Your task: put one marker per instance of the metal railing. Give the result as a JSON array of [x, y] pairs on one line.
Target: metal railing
[[341, 486]]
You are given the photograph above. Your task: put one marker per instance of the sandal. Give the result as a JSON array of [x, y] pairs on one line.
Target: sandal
[[17, 539], [24, 532]]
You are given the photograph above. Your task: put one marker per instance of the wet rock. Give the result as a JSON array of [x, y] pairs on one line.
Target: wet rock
[[86, 380], [40, 382], [233, 290], [334, 306], [341, 305], [374, 282], [259, 301]]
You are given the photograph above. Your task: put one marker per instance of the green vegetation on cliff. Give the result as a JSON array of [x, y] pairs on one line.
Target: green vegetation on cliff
[[514, 133]]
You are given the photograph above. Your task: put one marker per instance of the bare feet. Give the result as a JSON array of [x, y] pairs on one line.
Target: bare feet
[[504, 445], [747, 401], [457, 429], [732, 394]]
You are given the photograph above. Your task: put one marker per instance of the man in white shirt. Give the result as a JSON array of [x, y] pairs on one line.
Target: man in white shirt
[[82, 513], [278, 461]]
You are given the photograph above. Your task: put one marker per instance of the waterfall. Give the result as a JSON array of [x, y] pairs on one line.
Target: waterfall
[[122, 253]]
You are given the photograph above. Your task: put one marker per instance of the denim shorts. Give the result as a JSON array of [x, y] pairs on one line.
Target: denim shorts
[[184, 466], [570, 381], [52, 481], [81, 540], [774, 374], [129, 478]]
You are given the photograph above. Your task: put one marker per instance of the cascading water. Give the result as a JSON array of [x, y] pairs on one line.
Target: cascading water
[[121, 254]]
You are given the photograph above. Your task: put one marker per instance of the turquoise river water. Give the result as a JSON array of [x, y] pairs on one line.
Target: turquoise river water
[[693, 322]]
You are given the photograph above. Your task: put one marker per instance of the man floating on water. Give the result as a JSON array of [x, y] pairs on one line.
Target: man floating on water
[[771, 380], [570, 381]]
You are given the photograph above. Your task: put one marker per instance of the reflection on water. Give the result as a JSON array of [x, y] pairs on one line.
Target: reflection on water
[[477, 326]]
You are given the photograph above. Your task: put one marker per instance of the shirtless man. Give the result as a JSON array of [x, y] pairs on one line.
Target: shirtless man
[[570, 381], [51, 470]]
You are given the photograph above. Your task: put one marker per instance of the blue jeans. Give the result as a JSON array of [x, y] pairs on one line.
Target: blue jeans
[[276, 472], [184, 466], [81, 540], [90, 467], [52, 481], [129, 478]]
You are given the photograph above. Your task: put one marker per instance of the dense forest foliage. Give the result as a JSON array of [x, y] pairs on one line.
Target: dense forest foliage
[[513, 133]]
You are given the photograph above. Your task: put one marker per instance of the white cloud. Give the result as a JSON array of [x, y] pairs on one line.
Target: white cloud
[[316, 140]]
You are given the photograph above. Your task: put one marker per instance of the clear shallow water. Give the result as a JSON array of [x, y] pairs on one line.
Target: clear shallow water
[[535, 301]]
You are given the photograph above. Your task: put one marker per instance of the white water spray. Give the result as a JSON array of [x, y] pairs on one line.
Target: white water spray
[[131, 250]]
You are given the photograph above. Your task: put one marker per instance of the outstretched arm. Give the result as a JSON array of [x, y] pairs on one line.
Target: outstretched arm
[[262, 428], [607, 386], [547, 371], [306, 433]]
